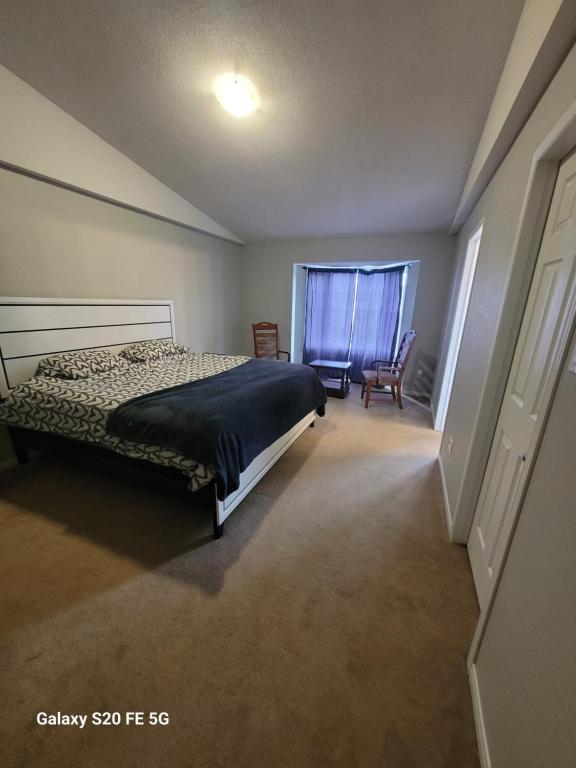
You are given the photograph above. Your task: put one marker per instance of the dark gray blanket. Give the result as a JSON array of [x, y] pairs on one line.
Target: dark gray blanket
[[224, 421]]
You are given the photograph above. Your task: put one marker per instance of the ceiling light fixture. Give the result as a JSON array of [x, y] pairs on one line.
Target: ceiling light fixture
[[236, 94]]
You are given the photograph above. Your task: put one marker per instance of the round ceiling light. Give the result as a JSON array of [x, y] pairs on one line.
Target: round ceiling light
[[236, 94]]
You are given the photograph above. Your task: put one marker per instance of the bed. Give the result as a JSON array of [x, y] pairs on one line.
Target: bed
[[215, 420]]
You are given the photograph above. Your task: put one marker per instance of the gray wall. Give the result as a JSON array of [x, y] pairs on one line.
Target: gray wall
[[494, 312], [267, 272], [40, 137], [57, 243], [527, 661]]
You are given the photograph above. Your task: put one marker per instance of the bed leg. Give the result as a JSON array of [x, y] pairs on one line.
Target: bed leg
[[18, 446], [217, 528]]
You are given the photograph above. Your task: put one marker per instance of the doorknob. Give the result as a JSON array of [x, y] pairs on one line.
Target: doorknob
[[523, 456]]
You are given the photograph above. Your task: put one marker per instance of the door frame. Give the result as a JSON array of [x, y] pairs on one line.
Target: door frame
[[551, 309], [559, 142], [557, 145]]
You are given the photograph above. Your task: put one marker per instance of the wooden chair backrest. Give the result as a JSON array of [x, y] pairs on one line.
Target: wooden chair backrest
[[401, 361], [265, 340], [404, 350]]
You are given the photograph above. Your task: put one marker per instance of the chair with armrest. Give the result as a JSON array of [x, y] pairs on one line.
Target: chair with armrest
[[266, 341], [387, 373]]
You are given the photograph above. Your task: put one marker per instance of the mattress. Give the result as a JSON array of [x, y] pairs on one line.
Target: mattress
[[79, 408]]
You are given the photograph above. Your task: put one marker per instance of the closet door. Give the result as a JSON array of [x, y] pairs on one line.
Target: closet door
[[545, 328]]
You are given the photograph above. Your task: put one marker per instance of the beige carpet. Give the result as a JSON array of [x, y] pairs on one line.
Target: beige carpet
[[329, 627]]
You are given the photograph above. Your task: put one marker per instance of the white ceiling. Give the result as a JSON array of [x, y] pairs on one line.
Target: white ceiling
[[370, 109]]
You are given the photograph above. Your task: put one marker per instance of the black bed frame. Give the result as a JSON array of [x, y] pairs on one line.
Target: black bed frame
[[26, 440]]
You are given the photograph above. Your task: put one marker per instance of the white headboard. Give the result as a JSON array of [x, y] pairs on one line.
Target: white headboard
[[32, 328]]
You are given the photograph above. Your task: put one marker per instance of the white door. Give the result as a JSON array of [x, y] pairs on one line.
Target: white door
[[545, 328]]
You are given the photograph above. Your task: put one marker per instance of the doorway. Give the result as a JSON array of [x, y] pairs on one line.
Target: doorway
[[460, 313]]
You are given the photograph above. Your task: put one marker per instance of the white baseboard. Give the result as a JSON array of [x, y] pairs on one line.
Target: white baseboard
[[479, 719], [414, 400], [445, 497]]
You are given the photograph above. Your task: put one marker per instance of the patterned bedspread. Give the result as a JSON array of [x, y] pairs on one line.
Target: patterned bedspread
[[79, 408]]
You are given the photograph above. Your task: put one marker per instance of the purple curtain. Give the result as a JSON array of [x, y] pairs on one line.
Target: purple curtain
[[376, 318], [329, 308]]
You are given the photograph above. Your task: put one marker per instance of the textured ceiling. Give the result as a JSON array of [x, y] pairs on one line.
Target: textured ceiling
[[370, 109]]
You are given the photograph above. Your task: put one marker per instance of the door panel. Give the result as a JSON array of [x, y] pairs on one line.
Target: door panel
[[530, 364], [548, 315]]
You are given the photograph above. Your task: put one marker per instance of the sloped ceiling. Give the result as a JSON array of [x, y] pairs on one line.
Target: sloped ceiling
[[370, 110]]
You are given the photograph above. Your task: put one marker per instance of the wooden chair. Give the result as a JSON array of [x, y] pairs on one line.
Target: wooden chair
[[266, 341], [386, 373]]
